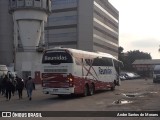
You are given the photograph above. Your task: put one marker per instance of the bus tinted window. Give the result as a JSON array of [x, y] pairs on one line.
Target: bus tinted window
[[88, 62], [57, 57], [102, 62]]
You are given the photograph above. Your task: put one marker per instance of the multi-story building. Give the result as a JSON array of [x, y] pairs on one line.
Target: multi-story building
[[91, 25]]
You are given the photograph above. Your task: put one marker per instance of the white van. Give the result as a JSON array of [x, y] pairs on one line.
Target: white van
[[3, 70], [156, 74]]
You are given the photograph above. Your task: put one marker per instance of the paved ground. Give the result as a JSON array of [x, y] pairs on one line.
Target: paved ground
[[142, 94]]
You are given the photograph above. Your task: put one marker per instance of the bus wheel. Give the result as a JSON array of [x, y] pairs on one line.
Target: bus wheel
[[92, 89], [86, 90]]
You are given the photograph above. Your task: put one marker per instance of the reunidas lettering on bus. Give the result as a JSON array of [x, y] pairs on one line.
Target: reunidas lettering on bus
[[69, 71]]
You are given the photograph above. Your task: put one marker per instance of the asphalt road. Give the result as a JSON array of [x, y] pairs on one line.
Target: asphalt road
[[132, 95]]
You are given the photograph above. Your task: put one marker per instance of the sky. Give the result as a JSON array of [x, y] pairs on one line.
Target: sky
[[139, 25]]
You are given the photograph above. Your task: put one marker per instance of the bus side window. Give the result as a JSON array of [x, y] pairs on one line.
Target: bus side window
[[88, 62], [107, 61], [102, 62], [96, 62], [84, 62]]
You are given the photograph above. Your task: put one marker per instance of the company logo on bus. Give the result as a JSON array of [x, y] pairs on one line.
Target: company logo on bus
[[105, 71], [60, 57]]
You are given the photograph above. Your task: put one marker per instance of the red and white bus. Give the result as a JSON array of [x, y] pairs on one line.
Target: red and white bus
[[69, 71]]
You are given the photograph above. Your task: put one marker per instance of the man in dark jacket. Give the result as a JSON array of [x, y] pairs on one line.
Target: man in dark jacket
[[9, 86], [19, 86]]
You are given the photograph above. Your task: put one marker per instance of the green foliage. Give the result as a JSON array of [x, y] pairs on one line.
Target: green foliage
[[129, 57]]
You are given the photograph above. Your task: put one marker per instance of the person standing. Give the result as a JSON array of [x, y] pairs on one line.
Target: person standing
[[14, 86], [9, 87], [29, 87], [19, 86], [4, 85]]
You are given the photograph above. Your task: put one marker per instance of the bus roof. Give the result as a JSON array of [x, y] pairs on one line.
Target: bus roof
[[82, 52]]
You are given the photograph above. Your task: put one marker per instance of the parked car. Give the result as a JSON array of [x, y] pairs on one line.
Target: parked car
[[136, 76], [125, 75], [129, 75], [122, 77]]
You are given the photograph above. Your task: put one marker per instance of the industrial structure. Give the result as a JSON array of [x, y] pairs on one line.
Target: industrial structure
[[29, 17], [91, 25]]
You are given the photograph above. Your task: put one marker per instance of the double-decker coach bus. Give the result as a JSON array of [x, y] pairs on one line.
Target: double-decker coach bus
[[69, 71]]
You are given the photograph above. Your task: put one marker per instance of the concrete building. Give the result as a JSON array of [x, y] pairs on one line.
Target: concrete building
[[6, 34], [91, 25]]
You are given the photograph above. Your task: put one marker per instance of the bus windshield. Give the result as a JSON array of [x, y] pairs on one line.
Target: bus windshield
[[54, 57]]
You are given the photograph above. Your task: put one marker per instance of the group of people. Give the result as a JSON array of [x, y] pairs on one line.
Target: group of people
[[8, 86]]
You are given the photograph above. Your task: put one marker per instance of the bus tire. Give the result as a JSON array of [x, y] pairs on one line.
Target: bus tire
[[91, 89], [86, 90]]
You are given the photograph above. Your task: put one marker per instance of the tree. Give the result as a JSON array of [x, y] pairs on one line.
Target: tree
[[120, 50], [129, 57], [120, 53]]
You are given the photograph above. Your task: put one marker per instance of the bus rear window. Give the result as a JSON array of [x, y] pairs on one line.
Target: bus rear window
[[57, 57]]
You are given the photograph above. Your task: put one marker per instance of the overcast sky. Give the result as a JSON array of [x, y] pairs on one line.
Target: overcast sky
[[139, 25]]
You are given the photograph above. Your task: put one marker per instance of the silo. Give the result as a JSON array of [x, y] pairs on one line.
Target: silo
[[29, 17], [6, 34]]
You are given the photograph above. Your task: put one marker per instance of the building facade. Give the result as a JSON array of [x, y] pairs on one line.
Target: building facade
[[145, 67], [6, 34], [91, 25]]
